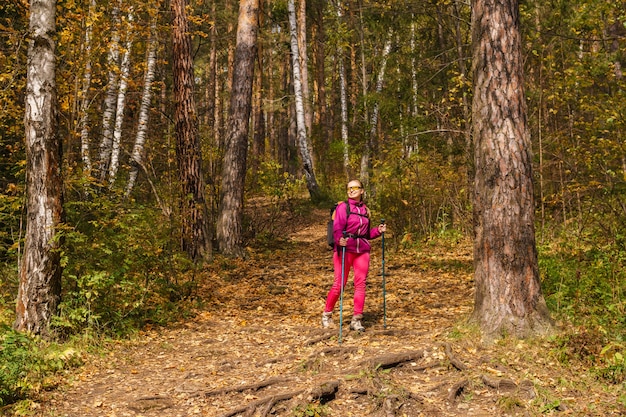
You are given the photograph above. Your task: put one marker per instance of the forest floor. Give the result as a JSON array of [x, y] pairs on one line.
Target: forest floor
[[257, 347]]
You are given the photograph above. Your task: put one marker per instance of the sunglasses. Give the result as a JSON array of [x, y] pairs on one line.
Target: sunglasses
[[350, 189]]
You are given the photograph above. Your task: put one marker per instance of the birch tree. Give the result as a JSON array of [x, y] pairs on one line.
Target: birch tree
[[136, 157], [39, 290], [195, 232], [508, 297], [110, 98], [229, 222], [343, 98], [84, 101], [304, 64], [365, 158], [302, 138], [121, 104]]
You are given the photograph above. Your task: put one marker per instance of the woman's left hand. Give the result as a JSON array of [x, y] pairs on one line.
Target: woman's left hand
[[382, 228]]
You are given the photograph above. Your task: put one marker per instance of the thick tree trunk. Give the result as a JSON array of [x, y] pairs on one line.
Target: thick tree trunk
[[195, 233], [302, 139], [39, 291], [229, 222], [508, 294]]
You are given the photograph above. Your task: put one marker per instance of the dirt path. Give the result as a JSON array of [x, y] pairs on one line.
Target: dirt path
[[258, 349]]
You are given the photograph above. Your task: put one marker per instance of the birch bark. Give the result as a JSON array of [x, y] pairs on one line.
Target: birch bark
[[39, 290], [110, 99], [301, 138], [304, 65], [136, 157], [84, 103], [369, 146], [343, 98], [121, 104]]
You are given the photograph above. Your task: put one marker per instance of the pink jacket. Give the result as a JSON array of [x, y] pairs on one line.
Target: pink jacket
[[357, 226]]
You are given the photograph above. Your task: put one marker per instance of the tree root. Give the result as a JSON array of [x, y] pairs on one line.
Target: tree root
[[501, 384], [453, 359], [254, 386], [457, 389], [251, 407], [322, 392], [325, 336], [392, 360]]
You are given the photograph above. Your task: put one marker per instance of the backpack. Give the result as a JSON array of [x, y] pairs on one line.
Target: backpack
[[330, 239]]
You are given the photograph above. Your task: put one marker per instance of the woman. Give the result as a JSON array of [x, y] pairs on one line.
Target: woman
[[356, 224]]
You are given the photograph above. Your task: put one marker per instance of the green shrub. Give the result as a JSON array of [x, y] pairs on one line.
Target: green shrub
[[584, 285], [28, 365], [122, 270]]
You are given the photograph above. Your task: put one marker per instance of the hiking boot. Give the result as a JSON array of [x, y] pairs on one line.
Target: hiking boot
[[327, 319], [355, 324]]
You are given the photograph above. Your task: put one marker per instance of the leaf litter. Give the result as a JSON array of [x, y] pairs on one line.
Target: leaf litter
[[257, 347]]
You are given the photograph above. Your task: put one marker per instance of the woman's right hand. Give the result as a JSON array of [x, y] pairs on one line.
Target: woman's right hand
[[343, 241]]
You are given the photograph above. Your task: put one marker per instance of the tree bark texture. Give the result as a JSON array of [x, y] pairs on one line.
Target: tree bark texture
[[301, 133], [136, 157], [343, 99], [304, 64], [195, 232], [110, 98], [372, 143], [508, 293], [229, 223], [121, 104], [84, 98], [39, 291]]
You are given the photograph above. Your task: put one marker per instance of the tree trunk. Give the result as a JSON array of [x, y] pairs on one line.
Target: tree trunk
[[84, 99], [39, 291], [508, 296], [372, 140], [136, 157], [302, 138], [110, 98], [460, 43], [304, 65], [229, 222], [258, 135], [121, 104], [319, 75], [343, 98], [195, 233]]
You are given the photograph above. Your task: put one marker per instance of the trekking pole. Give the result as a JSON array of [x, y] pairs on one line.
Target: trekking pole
[[382, 221], [343, 267]]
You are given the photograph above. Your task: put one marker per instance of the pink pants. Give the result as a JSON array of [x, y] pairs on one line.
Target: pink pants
[[360, 263]]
